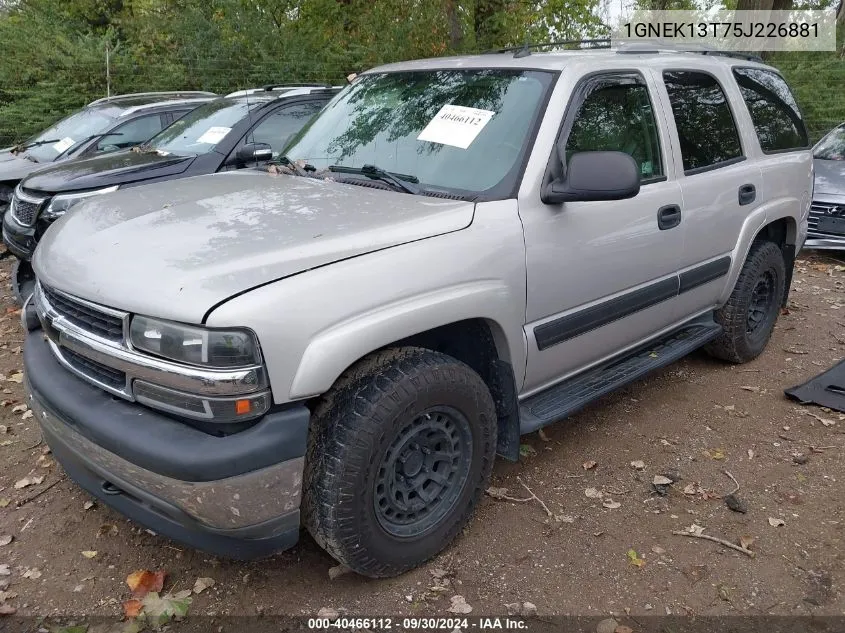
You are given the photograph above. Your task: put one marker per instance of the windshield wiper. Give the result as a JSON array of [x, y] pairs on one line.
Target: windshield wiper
[[404, 182], [17, 149]]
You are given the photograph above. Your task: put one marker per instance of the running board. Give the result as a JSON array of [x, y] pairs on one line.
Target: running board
[[565, 398]]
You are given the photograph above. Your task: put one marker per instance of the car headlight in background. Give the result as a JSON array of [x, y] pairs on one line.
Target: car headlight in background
[[212, 349], [61, 203]]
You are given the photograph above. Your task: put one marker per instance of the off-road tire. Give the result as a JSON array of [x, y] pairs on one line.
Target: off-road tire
[[357, 425], [738, 343]]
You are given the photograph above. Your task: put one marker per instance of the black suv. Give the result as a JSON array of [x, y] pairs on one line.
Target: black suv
[[103, 125], [243, 129]]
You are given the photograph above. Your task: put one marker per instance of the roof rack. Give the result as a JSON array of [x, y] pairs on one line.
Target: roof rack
[[525, 49], [174, 93], [645, 46], [274, 87]]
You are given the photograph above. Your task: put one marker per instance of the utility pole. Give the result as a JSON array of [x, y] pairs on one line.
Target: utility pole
[[108, 72]]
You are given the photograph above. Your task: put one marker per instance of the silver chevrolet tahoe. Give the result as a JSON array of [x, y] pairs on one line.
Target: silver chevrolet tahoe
[[454, 253]]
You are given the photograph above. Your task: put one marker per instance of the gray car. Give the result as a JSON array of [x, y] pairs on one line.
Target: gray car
[[827, 215], [453, 253]]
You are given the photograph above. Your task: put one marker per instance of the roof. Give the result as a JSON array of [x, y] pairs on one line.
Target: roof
[[266, 96], [626, 56]]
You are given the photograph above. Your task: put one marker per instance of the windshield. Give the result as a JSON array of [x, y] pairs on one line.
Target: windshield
[[202, 129], [832, 146], [67, 133], [459, 130]]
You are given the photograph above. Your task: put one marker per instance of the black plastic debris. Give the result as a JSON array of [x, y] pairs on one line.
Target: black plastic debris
[[736, 504], [826, 390]]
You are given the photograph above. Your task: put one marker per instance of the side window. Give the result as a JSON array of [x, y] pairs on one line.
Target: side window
[[616, 114], [706, 128], [130, 133], [773, 110], [175, 115], [278, 127]]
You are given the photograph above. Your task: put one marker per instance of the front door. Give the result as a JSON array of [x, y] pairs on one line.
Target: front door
[[602, 276]]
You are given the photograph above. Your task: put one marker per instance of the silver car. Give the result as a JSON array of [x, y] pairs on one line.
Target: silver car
[[827, 214], [453, 253]]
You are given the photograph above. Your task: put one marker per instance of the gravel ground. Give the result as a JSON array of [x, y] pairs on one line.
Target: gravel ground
[[594, 539]]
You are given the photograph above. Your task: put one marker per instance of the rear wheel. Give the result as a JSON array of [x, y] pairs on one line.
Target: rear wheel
[[399, 453], [749, 316]]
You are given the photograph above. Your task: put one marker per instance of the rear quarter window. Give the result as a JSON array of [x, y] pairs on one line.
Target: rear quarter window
[[706, 129], [774, 112]]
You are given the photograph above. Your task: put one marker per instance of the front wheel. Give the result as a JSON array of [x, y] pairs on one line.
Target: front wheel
[[399, 453], [23, 280], [749, 316]]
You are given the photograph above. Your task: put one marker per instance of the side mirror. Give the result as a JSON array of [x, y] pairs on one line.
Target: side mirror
[[595, 176], [254, 153]]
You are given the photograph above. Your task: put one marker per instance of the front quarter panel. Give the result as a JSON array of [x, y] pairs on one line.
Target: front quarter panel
[[314, 325]]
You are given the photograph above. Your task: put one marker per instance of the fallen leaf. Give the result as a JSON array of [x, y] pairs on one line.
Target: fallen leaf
[[750, 388], [7, 609], [27, 415], [692, 489], [658, 550], [159, 610], [107, 529], [634, 558], [695, 529], [87, 505], [526, 450], [717, 454], [16, 376], [202, 584], [623, 629], [143, 581], [44, 462], [610, 504], [4, 570], [3, 429], [593, 493], [746, 541], [339, 570], [750, 454], [776, 522], [33, 573], [724, 592], [6, 539], [459, 605], [589, 465], [132, 608], [638, 464], [19, 408], [660, 480], [4, 502], [28, 481], [542, 435], [498, 493], [89, 553]]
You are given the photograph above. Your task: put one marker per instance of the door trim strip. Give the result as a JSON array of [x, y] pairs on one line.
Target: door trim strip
[[576, 323]]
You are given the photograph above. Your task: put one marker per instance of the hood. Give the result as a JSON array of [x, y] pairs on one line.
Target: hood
[[116, 168], [14, 167], [830, 176], [179, 248]]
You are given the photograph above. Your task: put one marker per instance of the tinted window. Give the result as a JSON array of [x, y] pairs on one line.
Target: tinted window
[[706, 128], [459, 130], [131, 133], [618, 117], [277, 128], [773, 110]]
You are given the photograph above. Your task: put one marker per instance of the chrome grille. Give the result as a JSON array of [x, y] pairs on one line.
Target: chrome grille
[[819, 209], [84, 316], [24, 208]]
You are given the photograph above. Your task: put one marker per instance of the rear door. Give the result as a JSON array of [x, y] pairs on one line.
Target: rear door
[[602, 276], [720, 181]]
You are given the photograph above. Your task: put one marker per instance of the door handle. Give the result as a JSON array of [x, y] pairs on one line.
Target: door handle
[[668, 217], [747, 194]]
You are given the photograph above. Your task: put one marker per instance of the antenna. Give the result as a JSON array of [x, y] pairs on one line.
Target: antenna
[[108, 73]]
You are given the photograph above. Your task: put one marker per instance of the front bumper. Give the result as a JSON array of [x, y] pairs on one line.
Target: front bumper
[[217, 494], [19, 239]]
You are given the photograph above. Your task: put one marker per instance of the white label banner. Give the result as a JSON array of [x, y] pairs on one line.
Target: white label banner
[[66, 143], [456, 125], [214, 134]]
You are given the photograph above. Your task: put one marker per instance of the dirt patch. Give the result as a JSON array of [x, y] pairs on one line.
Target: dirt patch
[[596, 554]]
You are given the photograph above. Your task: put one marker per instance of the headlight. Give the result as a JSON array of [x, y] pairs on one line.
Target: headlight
[[194, 345], [60, 204]]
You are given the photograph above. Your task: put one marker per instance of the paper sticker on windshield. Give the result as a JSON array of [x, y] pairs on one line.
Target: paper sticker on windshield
[[66, 143], [214, 134], [456, 126]]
